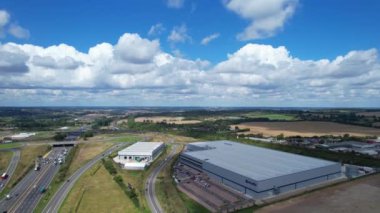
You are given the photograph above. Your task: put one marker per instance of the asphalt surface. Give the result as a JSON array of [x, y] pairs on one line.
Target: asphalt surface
[[11, 168], [58, 198], [27, 193], [150, 191]]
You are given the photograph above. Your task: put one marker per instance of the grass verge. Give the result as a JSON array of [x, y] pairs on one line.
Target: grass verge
[[5, 159], [128, 139], [95, 191], [171, 199], [86, 152], [10, 145]]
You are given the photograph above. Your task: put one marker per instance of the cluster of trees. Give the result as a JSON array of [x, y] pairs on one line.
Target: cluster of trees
[[87, 134], [340, 117], [60, 136], [103, 121], [109, 166], [62, 173], [34, 119]]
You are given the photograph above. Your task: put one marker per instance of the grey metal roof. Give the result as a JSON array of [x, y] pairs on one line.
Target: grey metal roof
[[140, 148], [254, 162]]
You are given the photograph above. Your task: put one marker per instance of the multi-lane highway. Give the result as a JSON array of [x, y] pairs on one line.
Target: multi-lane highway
[[150, 191], [58, 198], [26, 194], [11, 168]]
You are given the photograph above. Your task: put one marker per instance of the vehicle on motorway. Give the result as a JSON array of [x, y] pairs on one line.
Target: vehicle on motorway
[[4, 176], [8, 196], [36, 166], [42, 190]]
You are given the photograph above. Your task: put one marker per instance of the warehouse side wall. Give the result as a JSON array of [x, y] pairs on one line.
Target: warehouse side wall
[[263, 188]]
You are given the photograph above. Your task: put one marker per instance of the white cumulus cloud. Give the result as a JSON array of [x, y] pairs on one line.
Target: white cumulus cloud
[[267, 17], [179, 34], [175, 3], [132, 48], [4, 18], [18, 31], [6, 27], [156, 29], [209, 38]]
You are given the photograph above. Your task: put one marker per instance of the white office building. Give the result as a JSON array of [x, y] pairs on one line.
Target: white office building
[[139, 155]]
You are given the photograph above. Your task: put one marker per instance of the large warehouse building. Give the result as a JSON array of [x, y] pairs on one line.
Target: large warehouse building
[[255, 171], [139, 155]]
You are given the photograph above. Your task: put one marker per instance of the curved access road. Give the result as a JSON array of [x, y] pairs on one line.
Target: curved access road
[[58, 198], [150, 191], [11, 167]]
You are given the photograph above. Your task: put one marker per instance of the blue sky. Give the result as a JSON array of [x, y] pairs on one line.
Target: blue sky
[[309, 30], [318, 29]]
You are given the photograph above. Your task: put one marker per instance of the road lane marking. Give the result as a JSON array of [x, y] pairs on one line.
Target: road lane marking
[[23, 196]]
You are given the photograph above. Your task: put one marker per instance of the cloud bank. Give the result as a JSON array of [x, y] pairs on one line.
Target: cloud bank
[[136, 71]]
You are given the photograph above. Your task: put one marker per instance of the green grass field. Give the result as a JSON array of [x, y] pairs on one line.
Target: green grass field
[[10, 145], [95, 191], [271, 116], [128, 138]]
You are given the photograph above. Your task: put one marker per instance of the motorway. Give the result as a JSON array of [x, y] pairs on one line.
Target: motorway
[[150, 191], [58, 198], [11, 168], [26, 194]]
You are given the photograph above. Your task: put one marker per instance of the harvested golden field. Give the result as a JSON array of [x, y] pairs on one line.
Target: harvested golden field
[[306, 128], [86, 152], [167, 119]]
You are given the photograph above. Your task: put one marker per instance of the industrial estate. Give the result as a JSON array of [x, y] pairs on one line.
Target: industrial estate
[[189, 106], [200, 163]]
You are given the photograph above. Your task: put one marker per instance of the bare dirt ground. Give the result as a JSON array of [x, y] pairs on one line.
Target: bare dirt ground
[[361, 195], [307, 128], [174, 120]]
